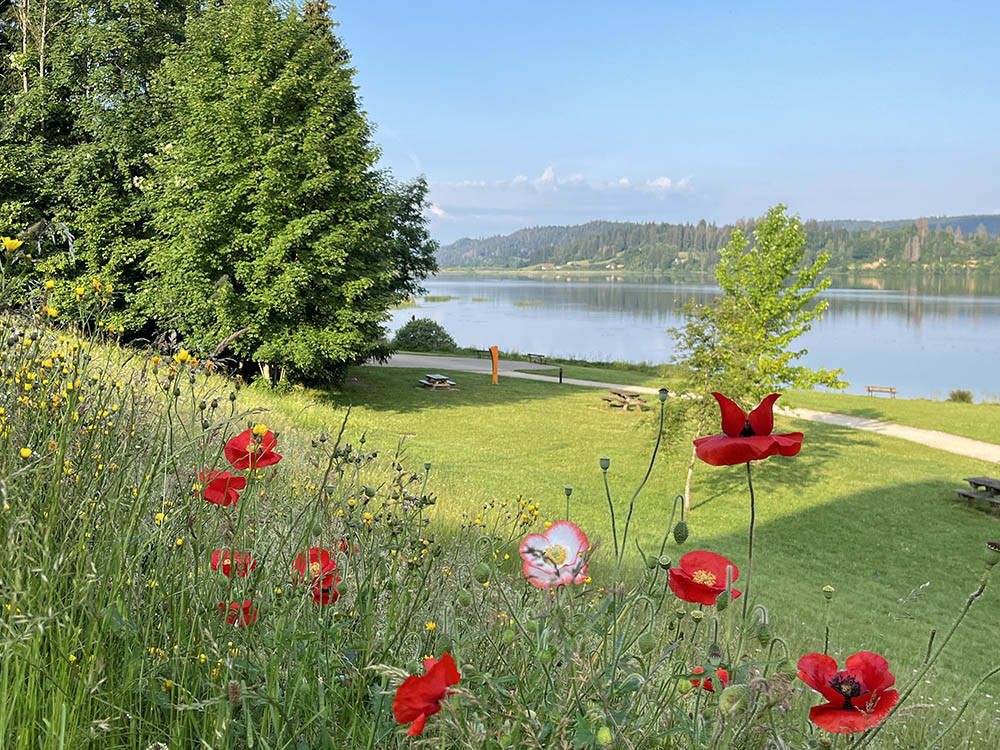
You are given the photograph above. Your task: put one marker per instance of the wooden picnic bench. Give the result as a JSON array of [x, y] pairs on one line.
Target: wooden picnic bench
[[537, 358], [982, 488], [482, 353], [624, 400], [435, 381], [881, 389]]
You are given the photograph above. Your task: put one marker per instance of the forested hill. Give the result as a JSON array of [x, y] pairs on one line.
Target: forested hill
[[938, 242]]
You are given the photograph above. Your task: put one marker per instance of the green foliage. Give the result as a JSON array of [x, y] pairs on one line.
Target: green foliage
[[960, 396], [423, 335], [215, 168]]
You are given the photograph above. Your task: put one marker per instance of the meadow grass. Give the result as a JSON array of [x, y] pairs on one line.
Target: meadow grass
[[978, 421], [871, 515], [111, 638]]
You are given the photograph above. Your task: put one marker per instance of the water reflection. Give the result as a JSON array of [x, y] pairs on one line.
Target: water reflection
[[924, 336]]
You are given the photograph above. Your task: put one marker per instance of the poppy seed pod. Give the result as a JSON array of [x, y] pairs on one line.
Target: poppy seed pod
[[733, 698], [664, 562], [992, 555], [646, 642], [481, 572], [651, 561], [722, 601], [568, 490], [662, 394], [828, 590], [605, 462], [604, 736], [465, 598], [681, 532]]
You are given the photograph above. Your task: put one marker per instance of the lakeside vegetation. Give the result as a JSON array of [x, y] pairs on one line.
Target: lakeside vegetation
[[942, 244]]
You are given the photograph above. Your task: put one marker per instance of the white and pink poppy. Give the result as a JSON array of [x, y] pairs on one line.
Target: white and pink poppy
[[555, 557]]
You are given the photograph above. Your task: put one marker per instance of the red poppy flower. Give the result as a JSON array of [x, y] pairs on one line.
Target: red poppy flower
[[420, 697], [239, 614], [320, 570], [252, 449], [859, 696], [701, 577], [233, 562], [722, 674], [221, 487], [746, 438]]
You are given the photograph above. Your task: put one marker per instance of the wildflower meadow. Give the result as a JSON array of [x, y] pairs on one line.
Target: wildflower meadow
[[175, 573]]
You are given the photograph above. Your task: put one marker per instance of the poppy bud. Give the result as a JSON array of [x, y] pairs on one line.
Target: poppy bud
[[684, 687], [205, 424], [681, 532], [545, 657], [202, 405], [508, 637], [992, 556], [697, 614], [764, 634], [605, 463], [317, 529], [481, 572], [232, 395], [427, 466], [465, 599], [733, 698], [215, 403], [646, 642], [664, 562], [663, 393], [828, 590], [604, 737], [322, 437], [651, 561], [722, 601], [531, 626]]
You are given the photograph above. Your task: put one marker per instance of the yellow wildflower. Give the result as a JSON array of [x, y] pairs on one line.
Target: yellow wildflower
[[50, 284], [25, 452], [431, 626], [11, 244]]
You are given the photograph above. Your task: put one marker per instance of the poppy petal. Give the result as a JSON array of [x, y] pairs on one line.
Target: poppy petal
[[689, 591], [838, 719], [417, 727], [816, 671], [409, 702], [762, 418], [734, 419], [711, 562], [871, 670]]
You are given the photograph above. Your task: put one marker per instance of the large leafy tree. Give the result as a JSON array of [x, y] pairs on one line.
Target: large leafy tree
[[275, 228], [742, 344]]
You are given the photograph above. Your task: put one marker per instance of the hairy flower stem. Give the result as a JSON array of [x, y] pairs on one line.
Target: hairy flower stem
[[611, 508], [753, 518], [866, 739], [631, 505]]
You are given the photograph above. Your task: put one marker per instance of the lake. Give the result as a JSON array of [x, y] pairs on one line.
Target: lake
[[923, 336]]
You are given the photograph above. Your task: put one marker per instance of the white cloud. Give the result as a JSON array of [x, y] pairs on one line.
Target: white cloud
[[550, 181], [435, 209]]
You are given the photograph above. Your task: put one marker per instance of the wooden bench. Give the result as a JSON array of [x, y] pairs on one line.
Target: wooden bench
[[881, 389], [482, 353], [537, 358], [624, 399]]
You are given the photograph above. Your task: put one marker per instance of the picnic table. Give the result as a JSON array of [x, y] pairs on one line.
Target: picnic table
[[435, 381], [624, 400], [537, 358], [982, 488]]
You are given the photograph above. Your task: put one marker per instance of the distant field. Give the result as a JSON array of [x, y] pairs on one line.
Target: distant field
[[978, 421]]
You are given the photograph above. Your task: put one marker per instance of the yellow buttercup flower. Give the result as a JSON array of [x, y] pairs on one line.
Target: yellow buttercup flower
[[25, 452], [50, 284], [10, 245], [182, 356], [260, 430]]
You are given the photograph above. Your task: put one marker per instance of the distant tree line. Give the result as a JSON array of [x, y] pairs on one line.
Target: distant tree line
[[214, 165], [660, 247]]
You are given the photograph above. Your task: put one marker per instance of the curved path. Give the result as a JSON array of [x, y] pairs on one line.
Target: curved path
[[941, 440]]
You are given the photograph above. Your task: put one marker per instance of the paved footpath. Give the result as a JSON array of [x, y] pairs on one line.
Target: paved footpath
[[941, 440]]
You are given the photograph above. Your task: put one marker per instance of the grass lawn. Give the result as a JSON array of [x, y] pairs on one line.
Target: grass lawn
[[979, 421], [872, 516]]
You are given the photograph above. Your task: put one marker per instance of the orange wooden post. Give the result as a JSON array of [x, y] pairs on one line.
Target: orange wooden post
[[495, 356]]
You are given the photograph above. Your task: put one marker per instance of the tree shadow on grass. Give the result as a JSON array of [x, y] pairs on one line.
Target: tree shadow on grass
[[876, 547]]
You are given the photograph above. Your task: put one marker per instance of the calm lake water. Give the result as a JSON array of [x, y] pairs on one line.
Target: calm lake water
[[925, 337]]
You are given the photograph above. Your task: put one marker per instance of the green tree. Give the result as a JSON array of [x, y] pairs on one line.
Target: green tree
[[275, 228], [742, 343]]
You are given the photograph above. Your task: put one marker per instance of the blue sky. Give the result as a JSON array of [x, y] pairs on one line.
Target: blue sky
[[544, 112]]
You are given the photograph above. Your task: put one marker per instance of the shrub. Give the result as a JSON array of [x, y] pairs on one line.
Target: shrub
[[424, 335], [960, 396]]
